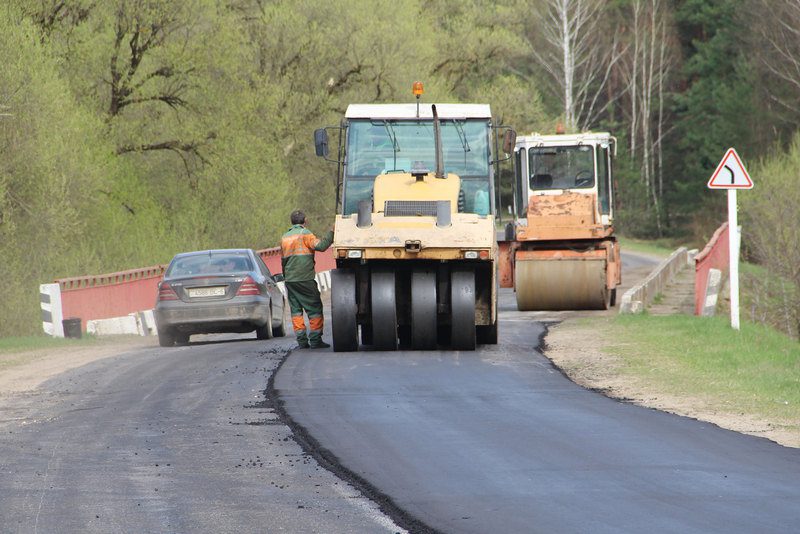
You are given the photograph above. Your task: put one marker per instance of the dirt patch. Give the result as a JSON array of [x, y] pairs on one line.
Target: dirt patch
[[581, 351], [26, 370]]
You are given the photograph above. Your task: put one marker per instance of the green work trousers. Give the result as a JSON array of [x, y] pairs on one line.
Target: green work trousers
[[304, 296]]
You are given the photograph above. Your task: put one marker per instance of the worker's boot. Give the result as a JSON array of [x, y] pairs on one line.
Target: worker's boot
[[315, 335], [302, 339]]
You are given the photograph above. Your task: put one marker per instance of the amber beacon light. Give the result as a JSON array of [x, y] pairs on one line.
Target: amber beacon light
[[417, 89]]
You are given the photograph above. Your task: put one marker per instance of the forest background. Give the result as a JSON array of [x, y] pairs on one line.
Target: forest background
[[134, 129]]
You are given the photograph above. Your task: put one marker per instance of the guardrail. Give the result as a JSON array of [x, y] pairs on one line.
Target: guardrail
[[636, 299], [110, 295], [715, 255], [128, 296]]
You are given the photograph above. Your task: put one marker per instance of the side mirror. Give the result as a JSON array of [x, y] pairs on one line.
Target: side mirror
[[509, 141], [278, 277], [321, 142]]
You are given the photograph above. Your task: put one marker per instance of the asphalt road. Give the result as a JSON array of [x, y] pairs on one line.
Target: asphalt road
[[498, 440], [208, 438], [168, 440]]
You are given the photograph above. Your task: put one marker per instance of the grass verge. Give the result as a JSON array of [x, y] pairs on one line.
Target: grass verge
[[655, 248], [755, 371], [20, 350], [17, 344]]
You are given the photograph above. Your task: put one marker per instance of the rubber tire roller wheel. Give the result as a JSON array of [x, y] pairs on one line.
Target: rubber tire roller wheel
[[384, 310], [344, 310], [423, 310], [462, 305]]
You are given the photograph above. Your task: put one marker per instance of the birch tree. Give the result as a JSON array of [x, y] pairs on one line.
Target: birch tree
[[646, 68], [572, 45], [777, 47]]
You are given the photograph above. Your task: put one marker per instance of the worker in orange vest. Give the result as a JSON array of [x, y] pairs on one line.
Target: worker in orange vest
[[298, 246]]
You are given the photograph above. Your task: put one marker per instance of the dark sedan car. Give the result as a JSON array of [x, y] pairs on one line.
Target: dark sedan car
[[215, 291]]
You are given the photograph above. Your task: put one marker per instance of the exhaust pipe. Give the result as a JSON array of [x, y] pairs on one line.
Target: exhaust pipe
[[364, 217], [442, 213], [437, 140]]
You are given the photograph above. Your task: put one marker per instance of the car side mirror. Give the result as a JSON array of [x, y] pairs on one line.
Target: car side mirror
[[278, 277], [321, 142]]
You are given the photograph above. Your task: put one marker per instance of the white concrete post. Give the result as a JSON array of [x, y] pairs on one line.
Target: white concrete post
[[50, 301]]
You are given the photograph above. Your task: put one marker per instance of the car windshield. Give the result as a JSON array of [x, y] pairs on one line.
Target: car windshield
[[561, 167], [210, 263], [398, 146]]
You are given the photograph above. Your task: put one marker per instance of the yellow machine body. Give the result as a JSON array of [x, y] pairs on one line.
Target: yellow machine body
[[406, 187], [418, 238], [414, 241]]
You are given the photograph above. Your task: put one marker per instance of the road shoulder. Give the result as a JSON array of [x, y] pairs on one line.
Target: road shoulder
[[582, 351], [24, 371]]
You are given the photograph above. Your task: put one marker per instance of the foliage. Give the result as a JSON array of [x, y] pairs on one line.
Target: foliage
[[717, 108], [134, 129], [142, 128], [54, 159], [770, 212]]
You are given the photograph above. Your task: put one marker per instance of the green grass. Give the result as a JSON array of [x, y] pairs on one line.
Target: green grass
[[17, 344], [755, 370], [656, 248]]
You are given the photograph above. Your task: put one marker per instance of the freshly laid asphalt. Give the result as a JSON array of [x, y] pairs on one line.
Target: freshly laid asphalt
[[498, 440]]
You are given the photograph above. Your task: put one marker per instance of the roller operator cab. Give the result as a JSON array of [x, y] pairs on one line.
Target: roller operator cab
[[414, 237], [560, 253]]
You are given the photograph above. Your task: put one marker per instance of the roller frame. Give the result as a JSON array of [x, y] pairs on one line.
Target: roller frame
[[486, 334], [344, 310]]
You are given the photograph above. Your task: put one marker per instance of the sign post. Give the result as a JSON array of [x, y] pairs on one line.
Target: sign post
[[731, 175]]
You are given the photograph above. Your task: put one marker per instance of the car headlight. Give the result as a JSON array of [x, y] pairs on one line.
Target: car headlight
[[355, 254]]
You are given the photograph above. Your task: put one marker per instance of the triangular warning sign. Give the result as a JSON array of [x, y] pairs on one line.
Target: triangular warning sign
[[730, 173]]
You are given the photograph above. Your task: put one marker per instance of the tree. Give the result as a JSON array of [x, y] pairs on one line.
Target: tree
[[645, 68], [716, 110], [572, 43], [769, 212], [53, 157]]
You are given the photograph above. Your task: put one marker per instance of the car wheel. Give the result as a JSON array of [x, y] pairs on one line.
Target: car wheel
[[265, 332], [280, 329], [166, 338]]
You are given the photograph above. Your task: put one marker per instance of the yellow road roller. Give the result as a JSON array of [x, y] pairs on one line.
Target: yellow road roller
[[415, 241], [560, 252]]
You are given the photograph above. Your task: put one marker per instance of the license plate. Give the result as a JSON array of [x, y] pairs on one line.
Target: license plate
[[206, 291]]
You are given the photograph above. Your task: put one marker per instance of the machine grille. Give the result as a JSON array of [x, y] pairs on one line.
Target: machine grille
[[409, 208]]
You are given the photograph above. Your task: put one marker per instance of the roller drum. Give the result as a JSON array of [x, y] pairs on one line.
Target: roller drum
[[561, 284]]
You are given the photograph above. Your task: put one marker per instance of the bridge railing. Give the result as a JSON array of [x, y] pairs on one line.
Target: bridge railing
[[123, 293], [715, 255]]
